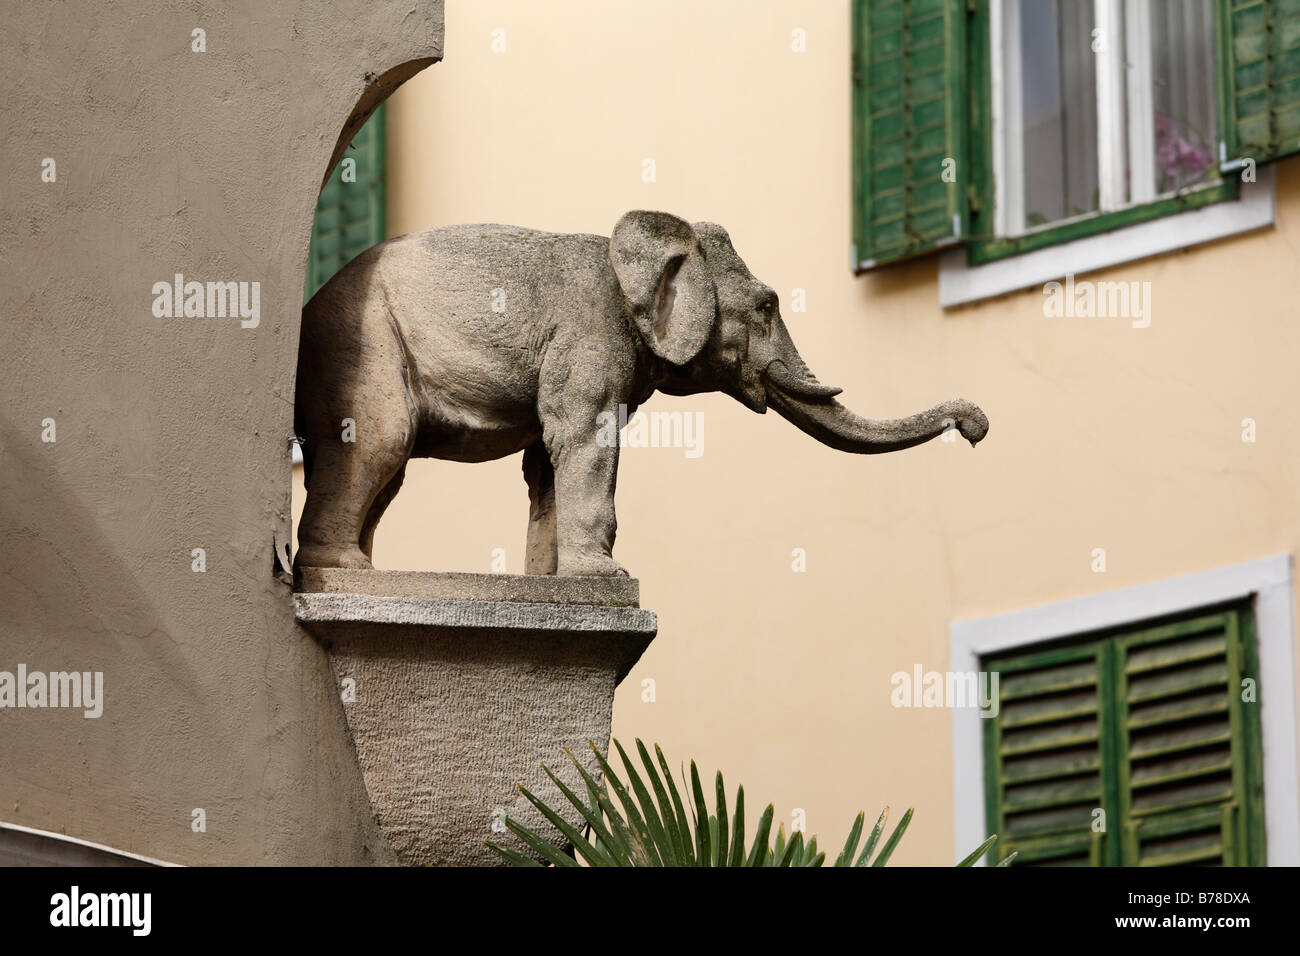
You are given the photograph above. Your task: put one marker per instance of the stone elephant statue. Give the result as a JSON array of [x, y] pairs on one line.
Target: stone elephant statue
[[470, 343]]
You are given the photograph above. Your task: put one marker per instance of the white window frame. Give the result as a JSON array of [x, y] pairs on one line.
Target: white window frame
[[1268, 581], [960, 283], [1255, 208]]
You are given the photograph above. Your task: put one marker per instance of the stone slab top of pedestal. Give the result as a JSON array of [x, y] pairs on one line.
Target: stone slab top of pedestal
[[337, 601], [317, 610], [611, 591]]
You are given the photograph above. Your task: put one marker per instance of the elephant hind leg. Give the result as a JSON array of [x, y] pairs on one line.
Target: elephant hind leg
[[347, 479], [377, 508], [356, 412], [541, 556]]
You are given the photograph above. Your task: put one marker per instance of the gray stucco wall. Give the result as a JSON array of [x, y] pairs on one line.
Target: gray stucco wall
[[171, 434]]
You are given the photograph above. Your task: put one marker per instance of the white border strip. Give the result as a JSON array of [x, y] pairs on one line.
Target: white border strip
[[1008, 117], [1268, 580], [1112, 154], [64, 838], [1141, 101]]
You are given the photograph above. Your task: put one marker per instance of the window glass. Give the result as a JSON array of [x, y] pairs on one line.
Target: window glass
[[1059, 110], [1101, 105], [1183, 104]]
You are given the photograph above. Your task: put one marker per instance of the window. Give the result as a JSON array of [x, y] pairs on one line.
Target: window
[[1135, 649], [1007, 126], [1130, 748], [350, 210], [1100, 109]]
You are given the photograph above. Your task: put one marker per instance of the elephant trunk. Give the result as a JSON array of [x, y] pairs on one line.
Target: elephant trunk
[[832, 424], [797, 396]]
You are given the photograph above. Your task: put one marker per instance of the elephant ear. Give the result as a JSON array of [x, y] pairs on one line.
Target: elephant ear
[[661, 270]]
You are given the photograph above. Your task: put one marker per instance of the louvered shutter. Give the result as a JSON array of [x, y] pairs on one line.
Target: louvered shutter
[[909, 117], [1259, 51], [1148, 726], [1043, 755], [1186, 780], [349, 215]]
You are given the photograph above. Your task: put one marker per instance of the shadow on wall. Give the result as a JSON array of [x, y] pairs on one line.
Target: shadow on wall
[[63, 535]]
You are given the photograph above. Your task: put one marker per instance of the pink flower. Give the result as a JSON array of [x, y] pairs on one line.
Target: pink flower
[[1178, 159]]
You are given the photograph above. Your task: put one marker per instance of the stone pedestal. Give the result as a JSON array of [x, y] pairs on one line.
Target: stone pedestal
[[457, 687]]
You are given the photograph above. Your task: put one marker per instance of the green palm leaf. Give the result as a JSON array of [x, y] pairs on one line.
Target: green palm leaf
[[651, 825], [879, 828], [658, 834], [680, 848], [683, 821], [635, 822], [720, 841], [793, 850], [703, 826], [851, 844], [979, 851], [759, 851], [575, 839], [888, 849]]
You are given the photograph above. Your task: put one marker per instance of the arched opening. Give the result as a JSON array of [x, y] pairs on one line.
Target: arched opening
[[349, 217]]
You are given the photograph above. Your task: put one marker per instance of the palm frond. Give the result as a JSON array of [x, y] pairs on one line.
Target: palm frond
[[651, 825]]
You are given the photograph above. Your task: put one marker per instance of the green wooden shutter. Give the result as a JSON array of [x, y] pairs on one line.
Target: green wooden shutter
[[1150, 727], [349, 215], [909, 116], [1189, 789], [1044, 755], [1259, 79]]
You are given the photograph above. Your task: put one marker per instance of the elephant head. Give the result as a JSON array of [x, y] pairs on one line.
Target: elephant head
[[718, 328]]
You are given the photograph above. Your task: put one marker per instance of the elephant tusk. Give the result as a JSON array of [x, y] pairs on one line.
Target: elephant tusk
[[803, 386]]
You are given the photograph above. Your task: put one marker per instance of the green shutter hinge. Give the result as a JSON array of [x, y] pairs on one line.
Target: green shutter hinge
[[973, 198]]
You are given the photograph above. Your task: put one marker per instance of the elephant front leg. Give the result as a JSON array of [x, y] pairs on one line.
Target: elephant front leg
[[540, 557], [585, 474]]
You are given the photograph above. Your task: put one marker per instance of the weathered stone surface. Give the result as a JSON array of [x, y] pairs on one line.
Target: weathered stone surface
[[496, 615], [471, 343], [454, 703], [172, 433], [607, 591]]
